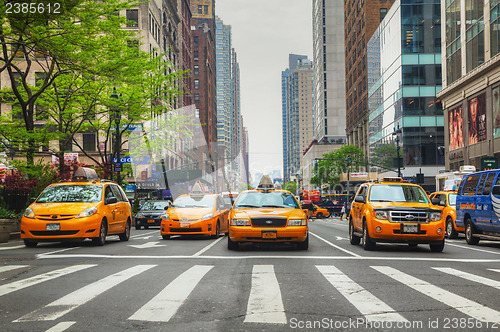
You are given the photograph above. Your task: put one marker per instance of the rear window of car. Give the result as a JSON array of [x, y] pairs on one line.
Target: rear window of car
[[71, 194]]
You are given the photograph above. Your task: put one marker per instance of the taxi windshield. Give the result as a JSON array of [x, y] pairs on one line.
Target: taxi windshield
[[275, 199], [397, 193], [70, 194], [194, 202], [150, 205], [453, 199]]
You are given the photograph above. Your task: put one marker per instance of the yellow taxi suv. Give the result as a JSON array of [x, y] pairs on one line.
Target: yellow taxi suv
[[393, 211], [319, 212], [196, 213], [267, 215], [84, 207], [448, 200]]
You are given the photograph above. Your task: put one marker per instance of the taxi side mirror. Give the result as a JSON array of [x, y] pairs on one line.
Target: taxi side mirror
[[111, 200], [166, 207], [359, 199], [495, 191], [435, 201]]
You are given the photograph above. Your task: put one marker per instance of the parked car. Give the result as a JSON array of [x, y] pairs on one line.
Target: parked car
[[150, 214]]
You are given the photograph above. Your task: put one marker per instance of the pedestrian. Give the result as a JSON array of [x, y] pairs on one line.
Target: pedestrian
[[342, 212]]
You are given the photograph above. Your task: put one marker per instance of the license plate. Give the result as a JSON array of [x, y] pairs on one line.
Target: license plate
[[53, 227], [268, 235], [410, 228], [151, 221], [184, 224]]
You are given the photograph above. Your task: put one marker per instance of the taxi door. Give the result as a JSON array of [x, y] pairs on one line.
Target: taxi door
[[224, 213], [110, 210], [121, 209], [357, 207]]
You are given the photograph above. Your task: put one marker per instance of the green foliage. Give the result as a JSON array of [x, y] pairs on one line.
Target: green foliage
[[385, 155], [290, 186], [327, 172], [245, 187], [9, 214]]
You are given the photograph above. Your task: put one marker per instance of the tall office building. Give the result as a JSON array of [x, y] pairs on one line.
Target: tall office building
[[471, 83], [297, 113], [361, 20], [329, 70], [404, 65]]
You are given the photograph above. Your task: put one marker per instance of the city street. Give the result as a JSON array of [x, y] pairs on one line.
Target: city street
[[189, 284]]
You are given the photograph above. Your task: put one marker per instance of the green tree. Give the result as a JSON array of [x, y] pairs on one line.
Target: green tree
[[290, 186], [328, 170], [385, 155]]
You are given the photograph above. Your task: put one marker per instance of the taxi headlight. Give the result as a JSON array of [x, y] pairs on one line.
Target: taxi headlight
[[28, 213], [140, 216], [207, 216], [296, 222], [165, 216], [381, 215], [435, 216], [87, 212], [240, 222]]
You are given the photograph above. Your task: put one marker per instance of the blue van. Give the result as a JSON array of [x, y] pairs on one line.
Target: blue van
[[478, 206]]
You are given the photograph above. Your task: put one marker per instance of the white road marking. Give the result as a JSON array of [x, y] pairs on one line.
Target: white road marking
[[462, 304], [11, 267], [495, 270], [469, 276], [208, 247], [164, 305], [147, 245], [14, 247], [472, 248], [265, 304], [138, 236], [334, 245], [62, 326], [73, 300], [57, 251], [368, 304], [17, 285]]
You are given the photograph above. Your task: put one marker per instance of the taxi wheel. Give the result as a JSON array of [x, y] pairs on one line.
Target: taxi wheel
[[166, 237], [451, 233], [319, 215], [303, 245], [232, 245], [137, 226], [126, 234], [354, 239], [30, 244], [437, 247], [469, 233], [368, 244], [101, 239], [217, 231]]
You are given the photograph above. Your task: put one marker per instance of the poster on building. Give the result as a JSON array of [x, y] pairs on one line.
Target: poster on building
[[496, 111], [477, 119], [455, 126]]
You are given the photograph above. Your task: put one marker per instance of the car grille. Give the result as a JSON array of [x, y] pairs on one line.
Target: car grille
[[53, 233], [57, 216], [150, 216], [185, 230], [268, 222], [409, 217]]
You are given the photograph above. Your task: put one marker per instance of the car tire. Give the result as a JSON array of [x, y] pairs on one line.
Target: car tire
[[319, 215], [217, 231], [232, 245], [30, 244], [451, 232], [126, 234], [166, 237], [137, 226], [437, 247], [103, 231], [304, 245], [368, 243], [469, 233], [353, 239]]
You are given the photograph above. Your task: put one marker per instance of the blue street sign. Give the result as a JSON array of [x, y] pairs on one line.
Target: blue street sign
[[118, 167], [123, 160]]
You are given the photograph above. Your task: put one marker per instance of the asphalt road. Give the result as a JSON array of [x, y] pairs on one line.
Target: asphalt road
[[191, 284]]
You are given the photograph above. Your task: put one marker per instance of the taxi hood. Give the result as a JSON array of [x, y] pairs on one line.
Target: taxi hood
[[69, 208], [267, 212]]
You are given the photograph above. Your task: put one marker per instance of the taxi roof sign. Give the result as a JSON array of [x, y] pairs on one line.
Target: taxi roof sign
[[391, 179], [197, 190], [84, 174], [265, 183]]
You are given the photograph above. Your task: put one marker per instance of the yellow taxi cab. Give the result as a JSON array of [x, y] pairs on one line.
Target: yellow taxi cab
[[84, 207], [319, 212], [267, 215], [394, 211], [448, 201], [197, 213]]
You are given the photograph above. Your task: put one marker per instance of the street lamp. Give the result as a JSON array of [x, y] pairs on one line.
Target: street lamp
[[395, 133], [117, 118]]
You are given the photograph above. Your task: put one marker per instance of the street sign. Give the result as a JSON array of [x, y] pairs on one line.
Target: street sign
[[123, 160], [118, 167], [489, 163]]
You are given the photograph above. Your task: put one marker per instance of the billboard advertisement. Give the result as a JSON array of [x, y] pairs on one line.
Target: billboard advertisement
[[477, 119], [455, 125], [496, 111]]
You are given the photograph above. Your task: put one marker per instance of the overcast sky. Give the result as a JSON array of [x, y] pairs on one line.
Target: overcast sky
[[264, 32]]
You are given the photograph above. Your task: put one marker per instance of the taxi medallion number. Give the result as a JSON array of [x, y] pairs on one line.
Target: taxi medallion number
[[53, 227], [269, 235], [410, 228], [184, 224]]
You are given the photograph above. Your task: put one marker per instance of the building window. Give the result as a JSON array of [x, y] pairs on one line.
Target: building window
[[197, 112], [132, 18], [383, 12], [196, 70], [89, 143], [205, 9], [196, 84], [195, 55], [196, 98], [195, 40]]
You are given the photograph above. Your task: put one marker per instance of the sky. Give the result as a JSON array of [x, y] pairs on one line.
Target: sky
[[264, 32]]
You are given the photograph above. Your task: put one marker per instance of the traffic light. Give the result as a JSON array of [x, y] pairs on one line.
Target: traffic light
[[420, 178]]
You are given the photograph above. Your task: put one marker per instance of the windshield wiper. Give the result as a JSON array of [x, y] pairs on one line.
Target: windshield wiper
[[247, 205], [275, 206]]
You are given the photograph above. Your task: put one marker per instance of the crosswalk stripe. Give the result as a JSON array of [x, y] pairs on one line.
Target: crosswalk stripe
[[466, 306], [368, 304], [73, 300], [62, 326], [17, 285], [11, 267], [265, 304], [469, 276], [165, 305]]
